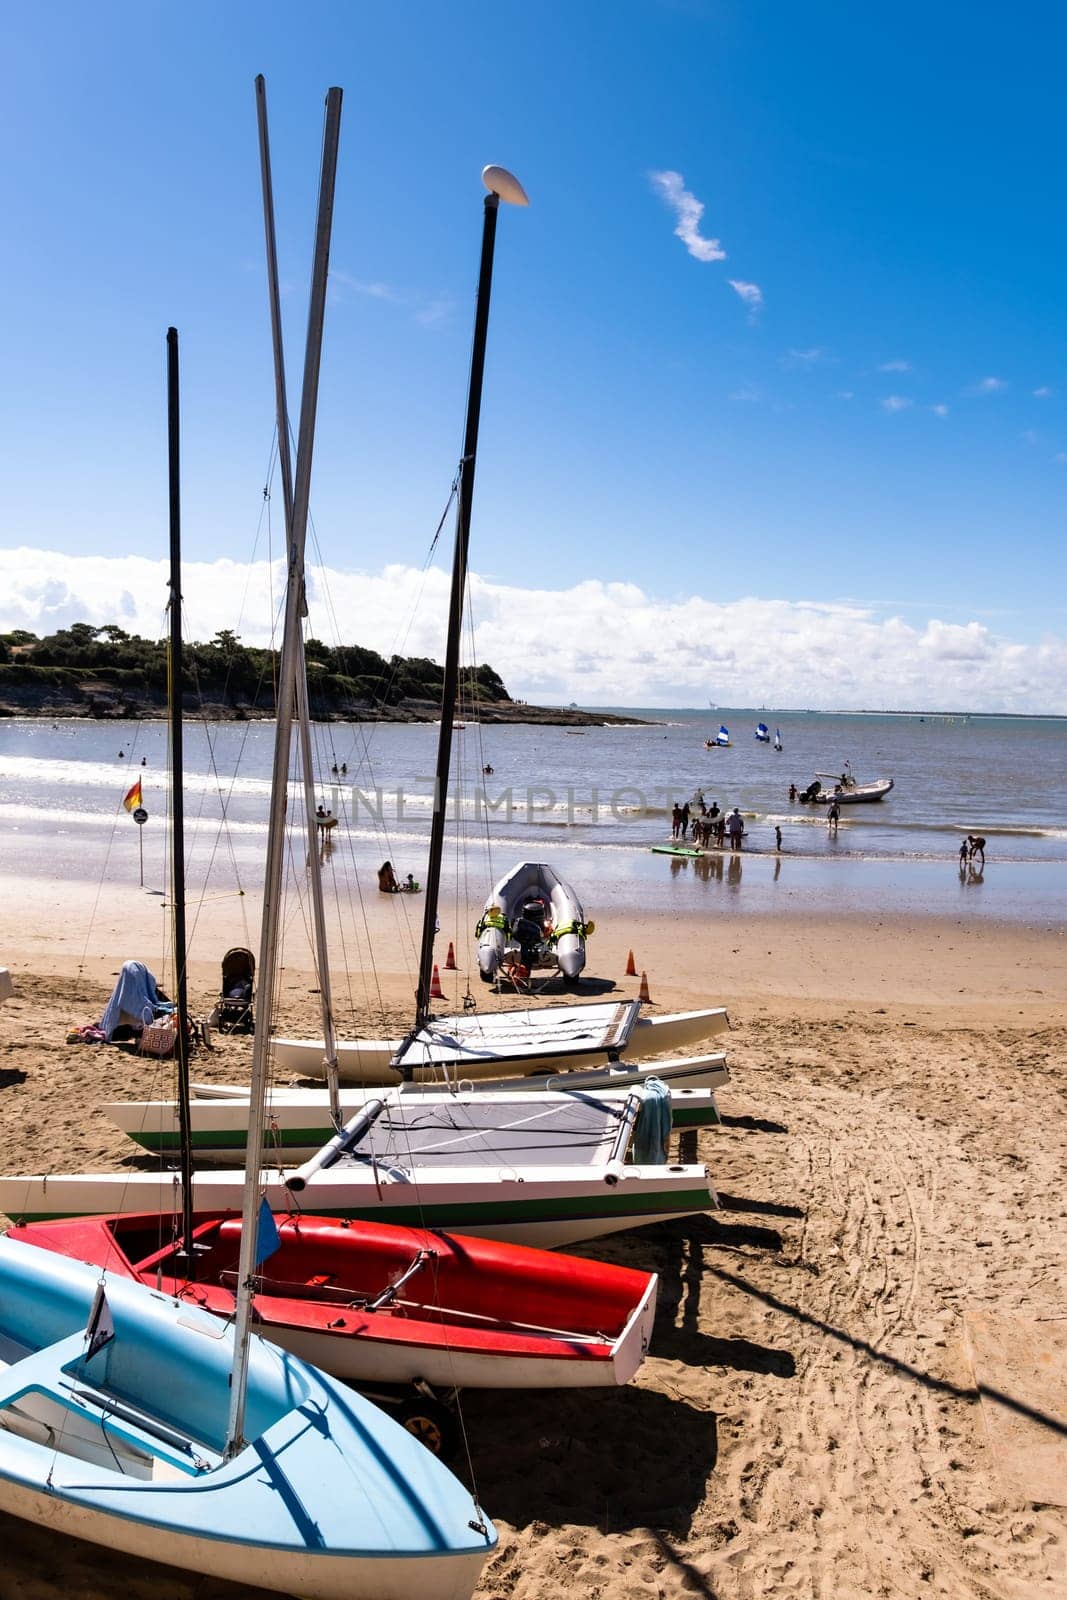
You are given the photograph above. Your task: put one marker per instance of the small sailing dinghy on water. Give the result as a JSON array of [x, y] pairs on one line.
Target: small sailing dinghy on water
[[843, 788], [762, 733], [114, 1402], [388, 1305], [532, 919]]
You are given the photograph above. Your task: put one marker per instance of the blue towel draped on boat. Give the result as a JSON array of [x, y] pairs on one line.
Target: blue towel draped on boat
[[653, 1124], [134, 999]]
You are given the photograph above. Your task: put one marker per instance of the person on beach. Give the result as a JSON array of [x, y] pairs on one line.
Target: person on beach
[[735, 827], [676, 819], [720, 832], [965, 850], [685, 819], [777, 837], [792, 791], [977, 849], [714, 812], [833, 817], [387, 883]]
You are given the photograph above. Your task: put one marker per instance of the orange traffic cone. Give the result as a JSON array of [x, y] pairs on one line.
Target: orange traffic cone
[[436, 992], [631, 968], [642, 991], [450, 959]]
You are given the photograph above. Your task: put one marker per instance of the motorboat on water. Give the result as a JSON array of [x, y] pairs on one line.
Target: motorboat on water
[[532, 919], [828, 787]]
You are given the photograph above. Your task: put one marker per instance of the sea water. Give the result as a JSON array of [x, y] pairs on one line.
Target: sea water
[[592, 801]]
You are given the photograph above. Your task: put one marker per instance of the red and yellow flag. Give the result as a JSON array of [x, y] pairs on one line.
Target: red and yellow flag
[[132, 799]]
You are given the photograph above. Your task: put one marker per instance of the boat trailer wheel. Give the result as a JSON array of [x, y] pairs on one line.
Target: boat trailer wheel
[[432, 1423]]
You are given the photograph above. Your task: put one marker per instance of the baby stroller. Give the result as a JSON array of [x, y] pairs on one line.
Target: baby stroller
[[233, 1011]]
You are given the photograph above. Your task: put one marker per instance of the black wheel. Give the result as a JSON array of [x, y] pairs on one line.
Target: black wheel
[[432, 1424]]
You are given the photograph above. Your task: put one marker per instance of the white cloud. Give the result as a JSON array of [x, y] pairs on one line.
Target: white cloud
[[373, 290], [747, 392], [940, 410], [750, 293], [634, 648], [987, 386], [845, 394], [896, 402], [895, 366], [1061, 456], [1043, 393], [805, 358], [688, 210]]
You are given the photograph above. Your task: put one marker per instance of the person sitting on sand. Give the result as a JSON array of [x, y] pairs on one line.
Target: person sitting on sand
[[735, 827], [387, 883]]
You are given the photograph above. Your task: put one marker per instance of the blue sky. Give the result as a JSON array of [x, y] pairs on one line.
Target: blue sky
[[885, 429]]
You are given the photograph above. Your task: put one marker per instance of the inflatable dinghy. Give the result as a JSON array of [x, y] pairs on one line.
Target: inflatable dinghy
[[532, 919]]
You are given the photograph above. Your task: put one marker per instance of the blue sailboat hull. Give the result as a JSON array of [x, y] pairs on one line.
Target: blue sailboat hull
[[329, 1499]]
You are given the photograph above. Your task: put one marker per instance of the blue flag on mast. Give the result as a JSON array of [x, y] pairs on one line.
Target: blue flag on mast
[[267, 1237]]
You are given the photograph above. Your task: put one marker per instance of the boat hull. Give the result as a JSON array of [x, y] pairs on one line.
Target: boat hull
[[299, 1119], [468, 1314], [370, 1061], [549, 1207], [124, 1446]]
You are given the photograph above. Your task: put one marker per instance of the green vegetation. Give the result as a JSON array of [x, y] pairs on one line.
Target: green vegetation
[[109, 671]]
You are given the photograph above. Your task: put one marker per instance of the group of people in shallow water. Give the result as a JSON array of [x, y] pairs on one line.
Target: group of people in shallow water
[[707, 825]]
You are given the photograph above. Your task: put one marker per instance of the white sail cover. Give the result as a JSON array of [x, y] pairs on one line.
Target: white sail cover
[[551, 1030]]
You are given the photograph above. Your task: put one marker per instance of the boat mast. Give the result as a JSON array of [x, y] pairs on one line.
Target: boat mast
[[177, 800], [280, 776], [303, 712], [501, 186]]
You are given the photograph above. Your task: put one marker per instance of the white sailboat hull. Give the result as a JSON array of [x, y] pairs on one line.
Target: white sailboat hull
[[318, 1577], [543, 1206], [361, 1362], [370, 1061], [299, 1123]]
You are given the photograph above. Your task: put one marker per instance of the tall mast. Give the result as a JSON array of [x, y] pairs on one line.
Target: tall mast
[[302, 709], [272, 886], [177, 799], [501, 186]]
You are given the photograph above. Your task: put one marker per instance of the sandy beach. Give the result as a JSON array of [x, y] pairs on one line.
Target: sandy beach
[[807, 1423]]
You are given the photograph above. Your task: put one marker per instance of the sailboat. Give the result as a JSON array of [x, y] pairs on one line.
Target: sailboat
[[130, 1418], [377, 1304], [722, 738], [547, 1169], [494, 1043], [778, 739], [762, 733], [300, 1119]]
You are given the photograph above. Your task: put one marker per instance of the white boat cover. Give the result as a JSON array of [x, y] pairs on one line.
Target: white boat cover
[[515, 1035]]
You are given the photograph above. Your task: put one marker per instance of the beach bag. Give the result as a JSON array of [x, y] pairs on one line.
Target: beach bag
[[158, 1038]]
